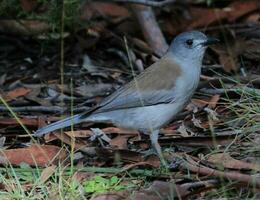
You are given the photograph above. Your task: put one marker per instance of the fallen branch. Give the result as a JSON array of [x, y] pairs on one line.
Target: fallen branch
[[223, 90], [191, 165], [147, 2], [151, 30], [45, 109]]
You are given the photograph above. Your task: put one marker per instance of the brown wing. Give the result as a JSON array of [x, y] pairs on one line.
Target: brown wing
[[154, 86]]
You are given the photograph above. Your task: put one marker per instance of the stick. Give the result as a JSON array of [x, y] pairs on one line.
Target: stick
[[150, 28]]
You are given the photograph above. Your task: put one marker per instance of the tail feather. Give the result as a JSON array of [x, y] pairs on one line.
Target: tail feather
[[76, 119]]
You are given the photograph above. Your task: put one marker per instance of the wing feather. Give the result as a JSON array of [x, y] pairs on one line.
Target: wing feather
[[154, 86]]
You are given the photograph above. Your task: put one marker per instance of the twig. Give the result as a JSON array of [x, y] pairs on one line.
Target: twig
[[222, 91], [147, 2], [45, 109], [191, 165], [151, 30]]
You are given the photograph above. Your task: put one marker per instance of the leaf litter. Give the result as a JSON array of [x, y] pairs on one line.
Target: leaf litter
[[208, 143]]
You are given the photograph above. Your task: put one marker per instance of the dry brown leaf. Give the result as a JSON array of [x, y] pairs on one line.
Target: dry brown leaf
[[23, 27], [228, 53], [161, 190], [18, 92], [47, 173], [78, 144], [35, 155], [227, 161], [81, 176], [213, 101], [119, 142], [241, 8], [94, 9], [199, 102], [229, 62], [206, 16], [25, 120], [28, 5]]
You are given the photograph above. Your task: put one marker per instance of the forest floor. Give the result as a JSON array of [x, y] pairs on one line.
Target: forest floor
[[61, 59]]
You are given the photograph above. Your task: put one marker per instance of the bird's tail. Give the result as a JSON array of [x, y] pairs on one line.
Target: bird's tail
[[75, 119]]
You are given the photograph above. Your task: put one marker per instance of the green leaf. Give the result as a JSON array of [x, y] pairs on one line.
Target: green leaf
[[114, 180]]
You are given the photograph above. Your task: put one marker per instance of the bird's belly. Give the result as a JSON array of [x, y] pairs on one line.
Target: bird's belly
[[145, 118]]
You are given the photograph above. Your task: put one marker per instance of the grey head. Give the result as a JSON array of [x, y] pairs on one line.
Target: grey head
[[191, 45]]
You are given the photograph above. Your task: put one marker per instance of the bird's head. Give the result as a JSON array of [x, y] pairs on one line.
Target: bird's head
[[191, 45]]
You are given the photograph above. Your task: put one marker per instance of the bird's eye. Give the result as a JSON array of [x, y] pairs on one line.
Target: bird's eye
[[189, 42]]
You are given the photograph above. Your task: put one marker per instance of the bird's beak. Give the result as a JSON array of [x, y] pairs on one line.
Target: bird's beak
[[210, 41]]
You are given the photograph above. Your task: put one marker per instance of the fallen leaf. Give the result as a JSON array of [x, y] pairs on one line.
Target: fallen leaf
[[225, 160], [199, 102], [25, 120], [28, 5], [161, 190], [81, 176], [47, 173], [202, 17], [213, 101], [78, 144], [18, 92], [95, 9], [23, 27], [119, 142], [241, 8], [228, 61], [153, 161], [183, 130], [35, 155]]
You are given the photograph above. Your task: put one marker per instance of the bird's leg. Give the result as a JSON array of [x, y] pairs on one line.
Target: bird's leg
[[154, 140]]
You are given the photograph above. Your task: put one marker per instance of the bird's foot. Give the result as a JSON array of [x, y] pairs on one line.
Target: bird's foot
[[149, 152]]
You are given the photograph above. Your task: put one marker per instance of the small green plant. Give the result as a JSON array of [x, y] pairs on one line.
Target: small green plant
[[100, 184]]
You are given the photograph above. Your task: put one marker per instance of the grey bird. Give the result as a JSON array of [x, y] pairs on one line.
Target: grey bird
[[153, 98]]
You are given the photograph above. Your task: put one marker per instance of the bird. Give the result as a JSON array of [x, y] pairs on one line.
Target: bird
[[154, 97]]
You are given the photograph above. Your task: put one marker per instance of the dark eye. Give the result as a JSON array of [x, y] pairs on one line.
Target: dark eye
[[189, 42]]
